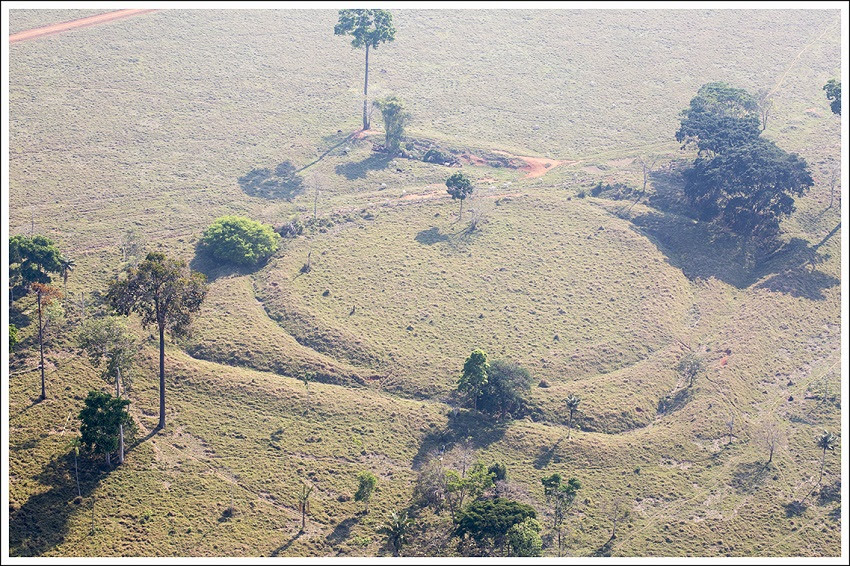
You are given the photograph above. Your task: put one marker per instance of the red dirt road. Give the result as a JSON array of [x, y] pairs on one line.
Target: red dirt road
[[82, 22]]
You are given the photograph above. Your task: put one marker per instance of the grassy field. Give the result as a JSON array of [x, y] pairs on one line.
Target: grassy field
[[149, 123]]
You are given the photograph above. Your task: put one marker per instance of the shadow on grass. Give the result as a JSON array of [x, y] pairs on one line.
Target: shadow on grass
[[215, 269], [479, 429], [41, 524], [342, 531], [360, 169], [749, 476], [285, 546], [546, 456], [430, 236], [17, 316], [795, 508], [281, 183]]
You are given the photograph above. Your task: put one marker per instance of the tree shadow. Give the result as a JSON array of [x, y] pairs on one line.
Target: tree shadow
[[18, 317], [829, 493], [285, 546], [337, 139], [360, 169], [282, 183], [41, 524], [481, 430], [795, 508], [203, 262], [545, 456], [749, 476], [342, 531], [430, 236]]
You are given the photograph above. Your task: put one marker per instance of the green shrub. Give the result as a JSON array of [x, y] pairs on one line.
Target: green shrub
[[239, 240]]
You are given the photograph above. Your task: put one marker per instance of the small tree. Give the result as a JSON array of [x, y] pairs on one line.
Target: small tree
[[109, 341], [506, 389], [163, 292], [396, 118], [825, 441], [561, 497], [764, 99], [489, 520], [524, 538], [397, 529], [617, 511], [365, 488], [75, 445], [369, 29], [460, 187], [240, 240], [572, 405], [833, 94], [67, 266], [13, 337], [45, 294], [101, 418], [474, 376], [304, 503], [773, 439]]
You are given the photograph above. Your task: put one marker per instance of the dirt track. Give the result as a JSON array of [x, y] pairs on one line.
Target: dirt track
[[82, 22]]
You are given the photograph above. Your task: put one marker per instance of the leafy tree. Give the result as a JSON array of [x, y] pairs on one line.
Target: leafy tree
[[13, 337], [459, 486], [719, 117], [689, 367], [825, 441], [32, 260], [430, 486], [101, 418], [45, 294], [487, 521], [369, 29], [163, 291], [524, 538], [365, 488], [499, 471], [240, 240], [474, 376], [460, 187], [561, 496], [748, 188], [109, 340], [505, 390], [396, 118], [397, 529], [572, 405], [304, 503], [833, 94], [67, 266]]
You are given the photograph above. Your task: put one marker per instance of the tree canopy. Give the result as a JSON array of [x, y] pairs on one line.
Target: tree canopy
[[366, 27], [100, 419], [833, 94], [719, 117], [505, 390], [489, 520], [240, 240], [474, 376], [32, 260], [396, 118]]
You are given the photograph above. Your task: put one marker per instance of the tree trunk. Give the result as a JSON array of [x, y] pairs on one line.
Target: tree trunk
[[121, 426], [77, 474], [570, 433], [769, 460], [161, 376], [366, 91], [460, 214], [41, 348], [822, 466]]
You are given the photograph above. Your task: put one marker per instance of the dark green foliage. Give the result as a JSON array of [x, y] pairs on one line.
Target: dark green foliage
[[689, 367], [239, 240], [524, 539], [720, 117], [748, 188], [833, 93], [561, 496], [474, 376], [292, 229], [365, 488], [13, 336], [436, 156], [397, 529], [487, 521], [32, 260], [396, 118], [109, 340], [368, 28], [101, 418], [459, 186], [505, 389], [472, 485], [499, 471]]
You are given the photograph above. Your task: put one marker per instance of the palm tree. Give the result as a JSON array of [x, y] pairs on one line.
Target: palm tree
[[397, 530], [572, 405], [67, 266], [75, 445], [825, 441]]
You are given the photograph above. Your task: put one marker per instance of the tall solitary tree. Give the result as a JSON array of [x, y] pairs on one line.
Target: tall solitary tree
[[369, 29], [32, 260], [164, 292], [561, 497], [474, 375], [572, 404], [460, 187], [45, 294]]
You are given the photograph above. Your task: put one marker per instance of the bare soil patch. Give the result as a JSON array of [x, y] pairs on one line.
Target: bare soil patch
[[82, 22]]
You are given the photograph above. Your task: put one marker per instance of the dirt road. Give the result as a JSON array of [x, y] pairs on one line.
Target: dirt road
[[82, 22]]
